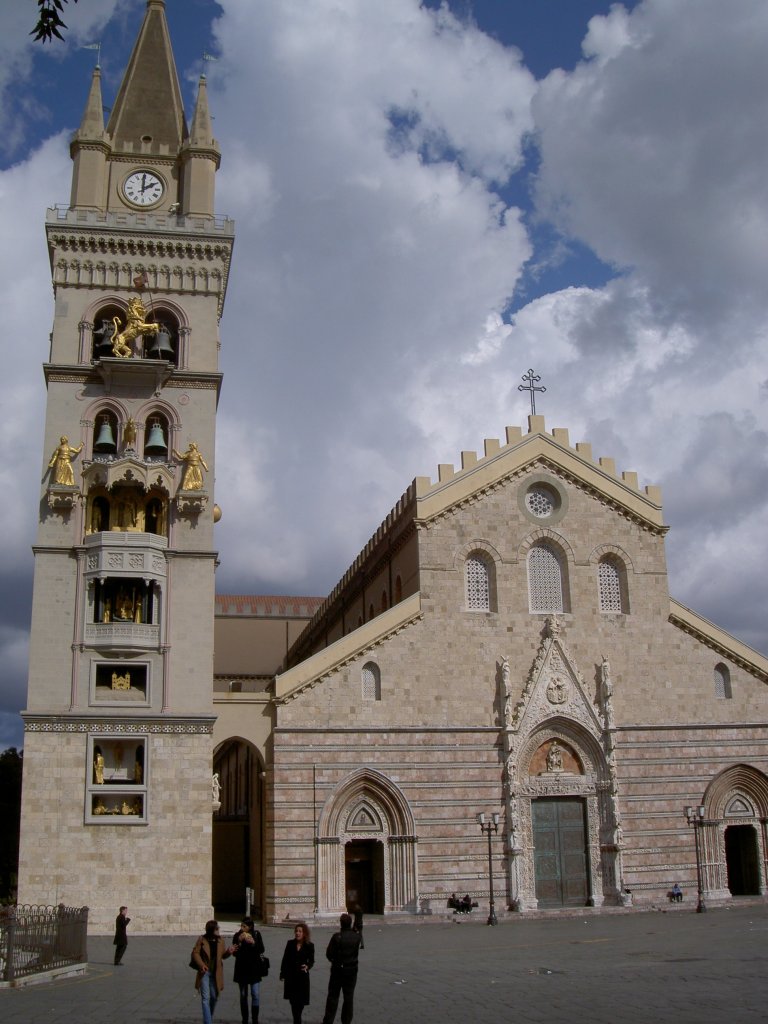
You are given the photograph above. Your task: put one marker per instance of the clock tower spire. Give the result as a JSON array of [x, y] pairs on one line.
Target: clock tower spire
[[119, 715]]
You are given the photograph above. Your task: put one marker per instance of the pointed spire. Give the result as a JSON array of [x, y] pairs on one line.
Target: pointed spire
[[92, 124], [201, 133], [148, 105]]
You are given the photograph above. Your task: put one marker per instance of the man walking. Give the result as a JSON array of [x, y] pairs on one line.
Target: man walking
[[342, 952], [120, 941]]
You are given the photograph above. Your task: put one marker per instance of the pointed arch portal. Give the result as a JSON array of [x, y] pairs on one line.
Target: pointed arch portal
[[366, 847]]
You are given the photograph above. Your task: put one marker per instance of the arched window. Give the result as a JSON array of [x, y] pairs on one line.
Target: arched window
[[478, 582], [722, 682], [104, 434], [156, 437], [163, 344], [371, 612], [104, 330], [371, 681], [612, 585], [546, 592], [398, 590]]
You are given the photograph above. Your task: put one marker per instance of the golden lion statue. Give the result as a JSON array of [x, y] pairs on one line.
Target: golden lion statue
[[136, 326]]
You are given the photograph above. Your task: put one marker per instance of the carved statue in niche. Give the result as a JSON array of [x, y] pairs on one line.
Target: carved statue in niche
[[98, 769], [129, 434], [193, 477], [557, 690], [61, 462], [121, 682], [555, 758], [155, 518], [135, 326], [215, 787], [606, 692], [505, 679], [127, 513], [138, 772], [97, 517]]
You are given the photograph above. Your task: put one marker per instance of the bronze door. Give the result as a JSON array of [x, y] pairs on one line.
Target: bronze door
[[560, 851]]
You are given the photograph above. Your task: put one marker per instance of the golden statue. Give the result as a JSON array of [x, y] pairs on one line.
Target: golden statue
[[193, 478], [98, 769], [129, 433], [137, 772], [136, 326], [61, 462], [100, 807], [121, 682]]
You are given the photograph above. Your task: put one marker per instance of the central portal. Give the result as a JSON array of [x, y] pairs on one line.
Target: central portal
[[364, 875], [560, 851]]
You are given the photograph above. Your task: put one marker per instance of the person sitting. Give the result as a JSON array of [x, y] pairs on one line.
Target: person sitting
[[466, 904], [676, 894]]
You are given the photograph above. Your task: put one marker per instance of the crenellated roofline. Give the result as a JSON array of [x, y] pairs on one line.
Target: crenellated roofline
[[521, 451]]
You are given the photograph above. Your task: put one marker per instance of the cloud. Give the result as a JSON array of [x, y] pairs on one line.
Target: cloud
[[369, 156], [650, 154], [24, 63]]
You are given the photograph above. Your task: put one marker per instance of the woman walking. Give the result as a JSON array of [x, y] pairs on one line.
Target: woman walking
[[248, 948], [298, 958]]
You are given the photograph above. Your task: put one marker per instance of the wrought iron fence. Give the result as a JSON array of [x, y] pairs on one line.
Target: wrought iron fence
[[37, 939]]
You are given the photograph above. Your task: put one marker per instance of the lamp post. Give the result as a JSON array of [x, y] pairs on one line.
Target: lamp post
[[488, 828], [695, 818]]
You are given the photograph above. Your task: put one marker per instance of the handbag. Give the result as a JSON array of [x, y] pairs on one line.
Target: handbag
[[264, 965]]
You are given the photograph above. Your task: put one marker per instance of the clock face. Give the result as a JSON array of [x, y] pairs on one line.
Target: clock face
[[143, 188]]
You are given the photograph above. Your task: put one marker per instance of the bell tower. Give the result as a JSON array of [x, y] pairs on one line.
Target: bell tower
[[117, 752]]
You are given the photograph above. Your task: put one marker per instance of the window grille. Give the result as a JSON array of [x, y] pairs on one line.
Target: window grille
[[540, 502], [371, 682], [478, 584], [609, 586], [722, 682], [545, 580]]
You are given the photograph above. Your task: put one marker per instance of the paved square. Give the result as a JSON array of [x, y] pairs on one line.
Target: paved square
[[634, 968]]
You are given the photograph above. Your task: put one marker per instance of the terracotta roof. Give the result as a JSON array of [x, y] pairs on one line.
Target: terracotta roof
[[267, 606]]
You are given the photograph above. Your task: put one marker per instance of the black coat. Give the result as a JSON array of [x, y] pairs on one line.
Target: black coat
[[248, 967], [295, 980], [121, 930]]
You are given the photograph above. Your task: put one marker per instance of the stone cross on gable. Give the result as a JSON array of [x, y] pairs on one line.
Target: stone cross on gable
[[532, 379]]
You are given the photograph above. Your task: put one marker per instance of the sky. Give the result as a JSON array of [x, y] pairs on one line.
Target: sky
[[429, 200]]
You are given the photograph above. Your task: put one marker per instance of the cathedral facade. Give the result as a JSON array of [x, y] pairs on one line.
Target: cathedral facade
[[504, 646]]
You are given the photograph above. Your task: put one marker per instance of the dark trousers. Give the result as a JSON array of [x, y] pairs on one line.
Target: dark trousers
[[297, 1008], [342, 981], [119, 950]]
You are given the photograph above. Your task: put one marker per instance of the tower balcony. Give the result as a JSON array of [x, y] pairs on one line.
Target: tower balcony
[[140, 220], [122, 636], [119, 553]]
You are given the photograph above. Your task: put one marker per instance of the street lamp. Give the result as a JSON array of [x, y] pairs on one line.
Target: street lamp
[[695, 818], [488, 828]]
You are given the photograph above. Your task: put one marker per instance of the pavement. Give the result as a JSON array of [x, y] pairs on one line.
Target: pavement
[[631, 968]]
